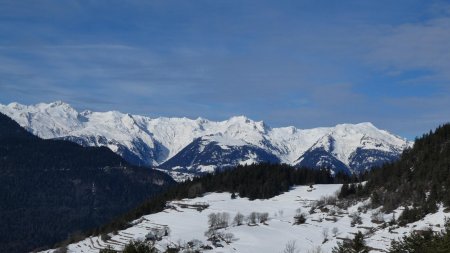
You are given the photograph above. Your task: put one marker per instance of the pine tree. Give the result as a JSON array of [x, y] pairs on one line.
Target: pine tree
[[357, 245], [344, 191]]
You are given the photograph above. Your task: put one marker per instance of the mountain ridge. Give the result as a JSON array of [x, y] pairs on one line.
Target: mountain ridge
[[153, 142], [50, 189]]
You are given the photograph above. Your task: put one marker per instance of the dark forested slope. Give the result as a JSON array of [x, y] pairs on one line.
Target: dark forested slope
[[50, 189], [421, 178], [420, 181]]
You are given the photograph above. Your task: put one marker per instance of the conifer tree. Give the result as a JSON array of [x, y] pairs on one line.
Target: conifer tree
[[357, 245]]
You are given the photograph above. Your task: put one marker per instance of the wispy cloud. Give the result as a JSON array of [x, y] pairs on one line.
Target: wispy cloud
[[416, 46], [290, 63]]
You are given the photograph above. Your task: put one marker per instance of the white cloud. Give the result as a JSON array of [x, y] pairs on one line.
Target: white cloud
[[415, 46]]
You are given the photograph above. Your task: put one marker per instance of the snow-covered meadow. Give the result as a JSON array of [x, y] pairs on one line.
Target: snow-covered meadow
[[187, 221]]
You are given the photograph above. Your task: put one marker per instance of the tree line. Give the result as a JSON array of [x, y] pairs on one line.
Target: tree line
[[257, 181]]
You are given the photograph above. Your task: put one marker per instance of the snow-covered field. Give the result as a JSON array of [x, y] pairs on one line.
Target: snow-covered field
[[186, 223]]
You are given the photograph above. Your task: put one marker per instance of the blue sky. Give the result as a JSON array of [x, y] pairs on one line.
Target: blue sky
[[301, 63]]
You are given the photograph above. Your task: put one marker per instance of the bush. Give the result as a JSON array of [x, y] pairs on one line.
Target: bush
[[356, 219], [228, 237], [193, 246], [105, 237], [299, 219], [108, 249], [139, 247], [410, 215], [377, 217]]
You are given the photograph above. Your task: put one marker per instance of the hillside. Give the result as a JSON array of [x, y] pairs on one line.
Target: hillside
[[326, 223], [402, 204], [52, 188], [197, 146], [420, 179]]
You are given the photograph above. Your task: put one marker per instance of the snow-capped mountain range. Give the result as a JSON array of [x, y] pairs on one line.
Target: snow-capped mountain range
[[201, 145]]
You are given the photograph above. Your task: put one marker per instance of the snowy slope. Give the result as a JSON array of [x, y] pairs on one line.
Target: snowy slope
[[355, 147], [210, 153], [156, 141], [186, 224]]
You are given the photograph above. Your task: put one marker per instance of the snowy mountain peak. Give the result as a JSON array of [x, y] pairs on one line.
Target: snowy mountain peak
[[86, 112], [155, 141], [58, 103], [366, 124], [201, 120], [16, 106], [243, 121], [240, 119]]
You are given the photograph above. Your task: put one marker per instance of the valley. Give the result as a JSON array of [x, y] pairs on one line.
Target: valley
[[326, 224]]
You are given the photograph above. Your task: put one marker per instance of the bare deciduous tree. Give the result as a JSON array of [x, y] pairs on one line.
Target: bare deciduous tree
[[317, 249], [228, 237], [377, 217], [335, 231], [252, 218], [218, 220], [291, 247], [224, 219], [212, 220], [263, 217], [238, 219], [325, 234], [356, 219]]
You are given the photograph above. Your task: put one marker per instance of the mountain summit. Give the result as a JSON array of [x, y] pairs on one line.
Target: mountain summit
[[200, 145]]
